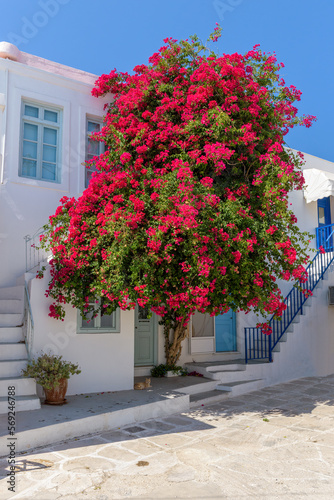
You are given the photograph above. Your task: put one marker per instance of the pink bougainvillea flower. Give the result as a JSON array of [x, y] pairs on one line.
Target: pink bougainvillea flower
[[188, 209]]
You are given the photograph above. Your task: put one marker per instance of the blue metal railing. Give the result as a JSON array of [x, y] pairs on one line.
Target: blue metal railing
[[324, 236], [259, 346]]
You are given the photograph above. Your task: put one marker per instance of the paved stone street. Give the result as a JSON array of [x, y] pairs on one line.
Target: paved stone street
[[276, 443]]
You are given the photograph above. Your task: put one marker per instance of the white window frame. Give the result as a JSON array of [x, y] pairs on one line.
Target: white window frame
[[95, 324], [101, 148], [41, 123]]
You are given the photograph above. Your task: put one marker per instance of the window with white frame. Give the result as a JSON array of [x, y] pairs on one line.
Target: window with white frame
[[102, 323], [40, 143], [93, 147]]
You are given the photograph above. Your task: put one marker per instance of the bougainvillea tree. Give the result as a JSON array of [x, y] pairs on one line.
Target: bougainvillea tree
[[188, 209]]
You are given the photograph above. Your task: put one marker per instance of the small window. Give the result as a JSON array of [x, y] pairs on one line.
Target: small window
[[203, 325], [321, 216], [40, 139], [93, 147], [102, 323]]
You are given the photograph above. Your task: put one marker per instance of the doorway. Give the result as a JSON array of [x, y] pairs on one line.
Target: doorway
[[145, 337]]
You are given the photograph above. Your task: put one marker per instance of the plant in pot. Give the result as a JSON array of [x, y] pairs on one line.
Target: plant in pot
[[52, 373], [168, 371]]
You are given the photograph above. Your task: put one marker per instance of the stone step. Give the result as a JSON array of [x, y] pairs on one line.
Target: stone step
[[209, 397], [12, 367], [317, 289], [261, 349], [196, 388], [22, 403], [7, 319], [277, 348], [231, 366], [308, 302], [13, 292], [241, 387], [13, 351], [208, 370], [226, 376], [284, 337], [23, 386], [11, 306], [297, 319], [11, 334]]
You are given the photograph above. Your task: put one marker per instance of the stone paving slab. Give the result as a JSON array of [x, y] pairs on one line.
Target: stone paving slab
[[273, 444]]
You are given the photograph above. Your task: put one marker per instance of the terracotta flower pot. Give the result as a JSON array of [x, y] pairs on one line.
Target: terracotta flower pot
[[56, 395]]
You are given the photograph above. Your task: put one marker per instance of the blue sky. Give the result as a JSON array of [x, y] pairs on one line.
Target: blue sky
[[99, 35]]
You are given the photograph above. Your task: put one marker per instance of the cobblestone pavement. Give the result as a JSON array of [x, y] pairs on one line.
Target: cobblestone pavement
[[276, 443]]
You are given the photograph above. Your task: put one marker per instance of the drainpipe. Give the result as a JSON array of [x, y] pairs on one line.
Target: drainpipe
[[4, 111], [11, 52]]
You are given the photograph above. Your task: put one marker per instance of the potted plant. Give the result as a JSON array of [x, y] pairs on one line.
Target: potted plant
[[52, 373], [168, 371]]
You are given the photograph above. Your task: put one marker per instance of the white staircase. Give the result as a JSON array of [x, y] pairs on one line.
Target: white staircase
[[235, 377], [229, 379], [13, 352]]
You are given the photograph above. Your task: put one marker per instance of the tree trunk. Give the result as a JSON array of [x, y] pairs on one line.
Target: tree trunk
[[173, 347]]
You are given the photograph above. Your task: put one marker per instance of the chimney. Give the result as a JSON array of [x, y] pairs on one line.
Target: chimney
[[9, 51]]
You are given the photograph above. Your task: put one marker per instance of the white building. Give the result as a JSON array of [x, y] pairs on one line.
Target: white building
[[46, 115]]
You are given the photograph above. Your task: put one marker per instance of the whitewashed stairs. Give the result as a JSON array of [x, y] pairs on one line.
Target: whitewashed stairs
[[13, 352], [234, 378], [228, 379]]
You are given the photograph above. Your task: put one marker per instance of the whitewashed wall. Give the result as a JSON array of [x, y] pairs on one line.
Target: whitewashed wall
[[106, 360], [26, 204], [309, 350], [309, 354]]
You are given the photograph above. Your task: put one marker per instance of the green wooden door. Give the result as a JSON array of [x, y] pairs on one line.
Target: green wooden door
[[144, 337]]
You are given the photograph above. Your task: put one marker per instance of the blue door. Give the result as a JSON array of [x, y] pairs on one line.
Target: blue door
[[225, 332], [324, 236]]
